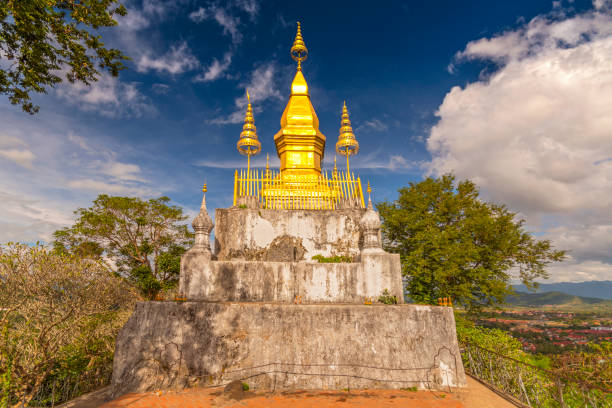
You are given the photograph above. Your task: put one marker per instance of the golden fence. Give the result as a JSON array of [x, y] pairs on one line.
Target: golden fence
[[272, 191]]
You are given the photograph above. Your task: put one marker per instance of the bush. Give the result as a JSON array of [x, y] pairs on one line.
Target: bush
[[59, 316], [387, 298], [332, 259]]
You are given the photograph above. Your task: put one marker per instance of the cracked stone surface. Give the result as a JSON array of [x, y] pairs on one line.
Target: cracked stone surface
[[169, 345]]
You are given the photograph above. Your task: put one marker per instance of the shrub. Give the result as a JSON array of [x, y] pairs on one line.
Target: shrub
[[332, 259], [387, 298], [59, 315]]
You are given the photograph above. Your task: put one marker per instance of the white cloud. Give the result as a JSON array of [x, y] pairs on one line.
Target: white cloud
[[251, 7], [160, 89], [535, 134], [23, 157], [199, 15], [102, 187], [16, 150], [216, 69], [261, 86], [602, 4], [107, 96], [373, 125], [63, 171], [176, 61], [223, 17]]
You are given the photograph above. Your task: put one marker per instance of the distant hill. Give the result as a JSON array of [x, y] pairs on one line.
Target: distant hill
[[593, 289], [558, 300]]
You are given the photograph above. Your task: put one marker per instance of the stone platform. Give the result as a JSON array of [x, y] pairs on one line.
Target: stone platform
[[311, 282], [168, 345]]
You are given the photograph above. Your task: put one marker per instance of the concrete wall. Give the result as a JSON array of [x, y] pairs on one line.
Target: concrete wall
[[167, 345], [251, 234], [252, 281]]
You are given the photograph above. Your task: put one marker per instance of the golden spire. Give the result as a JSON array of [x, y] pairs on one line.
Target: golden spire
[[299, 143], [248, 144], [335, 170], [299, 52], [267, 175], [347, 144], [369, 195]]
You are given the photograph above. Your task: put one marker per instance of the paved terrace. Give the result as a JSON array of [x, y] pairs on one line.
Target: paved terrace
[[474, 396]]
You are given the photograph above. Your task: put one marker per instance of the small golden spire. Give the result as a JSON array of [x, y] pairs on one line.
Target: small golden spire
[[299, 52], [248, 144], [267, 165], [347, 143], [335, 170], [369, 195], [204, 188]]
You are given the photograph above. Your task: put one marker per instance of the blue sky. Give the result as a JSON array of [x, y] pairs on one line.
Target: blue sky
[[513, 95]]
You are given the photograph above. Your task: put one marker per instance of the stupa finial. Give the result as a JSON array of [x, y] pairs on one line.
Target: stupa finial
[[347, 143], [369, 196], [299, 52], [248, 144]]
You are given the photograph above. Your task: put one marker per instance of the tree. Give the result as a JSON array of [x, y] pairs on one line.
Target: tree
[[452, 244], [143, 239], [59, 315], [43, 38]]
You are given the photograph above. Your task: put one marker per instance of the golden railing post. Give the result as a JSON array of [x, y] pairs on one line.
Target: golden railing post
[[360, 192], [235, 185]]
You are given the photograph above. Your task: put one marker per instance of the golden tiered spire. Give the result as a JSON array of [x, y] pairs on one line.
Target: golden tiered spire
[[347, 144], [299, 52], [248, 144], [299, 143], [300, 183]]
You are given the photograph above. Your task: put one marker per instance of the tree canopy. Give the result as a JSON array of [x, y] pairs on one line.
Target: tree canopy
[[143, 239], [44, 39], [452, 244], [59, 315]]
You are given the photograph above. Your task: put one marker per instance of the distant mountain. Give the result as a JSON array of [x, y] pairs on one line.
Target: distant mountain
[[556, 299], [594, 289]]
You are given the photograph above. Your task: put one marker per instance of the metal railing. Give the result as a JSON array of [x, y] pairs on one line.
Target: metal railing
[[529, 385], [271, 190]]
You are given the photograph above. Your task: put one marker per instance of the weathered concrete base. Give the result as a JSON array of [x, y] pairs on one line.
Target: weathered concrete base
[[250, 234], [167, 345], [312, 282]]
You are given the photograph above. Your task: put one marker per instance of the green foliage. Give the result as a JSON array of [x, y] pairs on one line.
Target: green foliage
[[42, 39], [453, 244], [387, 298], [490, 339], [144, 239], [245, 386], [332, 259], [243, 206], [59, 315]]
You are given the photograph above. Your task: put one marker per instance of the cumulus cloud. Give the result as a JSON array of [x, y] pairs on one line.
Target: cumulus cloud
[[216, 69], [177, 60], [535, 133], [108, 96]]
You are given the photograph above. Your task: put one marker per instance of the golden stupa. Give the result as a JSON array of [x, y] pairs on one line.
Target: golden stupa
[[300, 145]]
